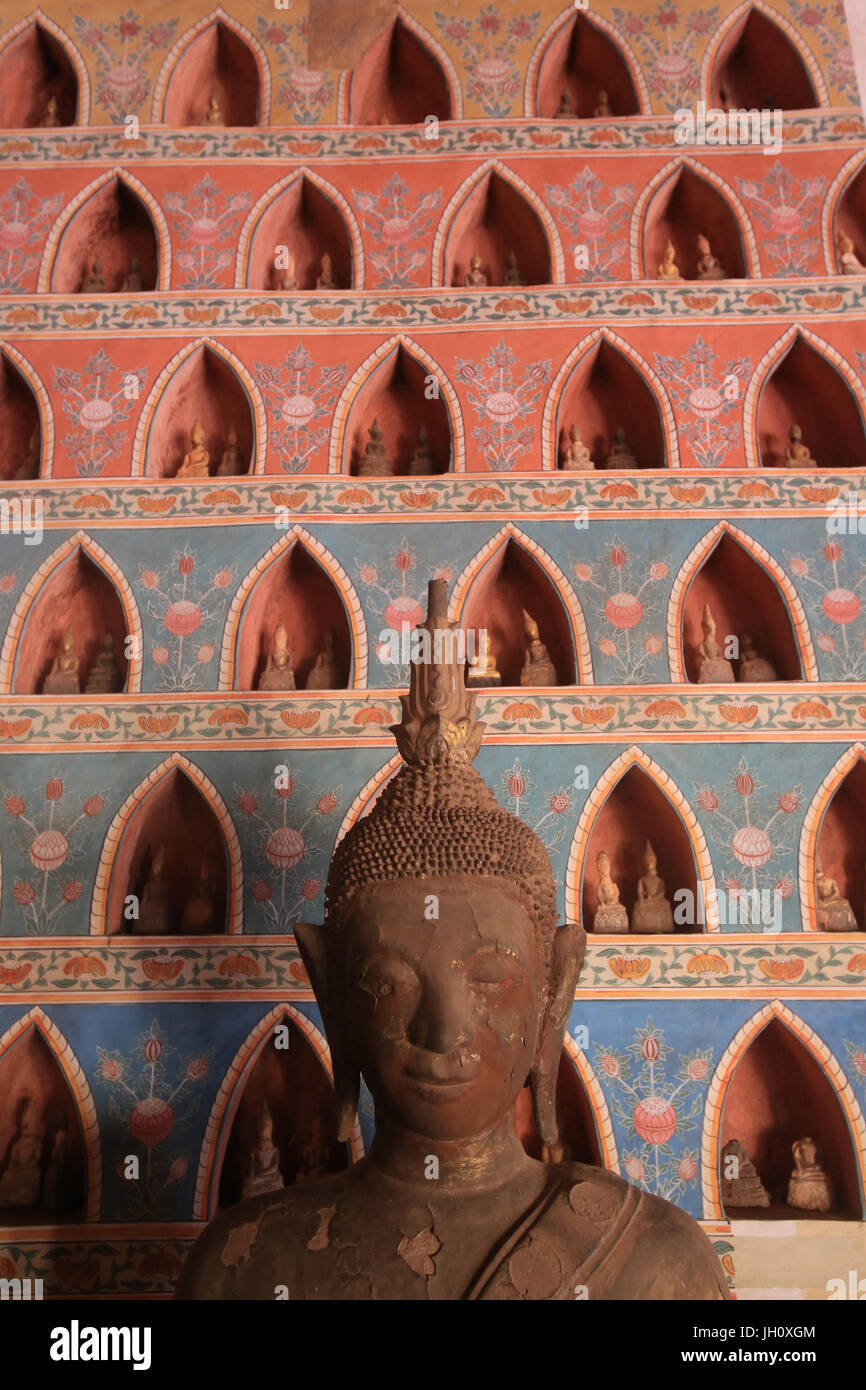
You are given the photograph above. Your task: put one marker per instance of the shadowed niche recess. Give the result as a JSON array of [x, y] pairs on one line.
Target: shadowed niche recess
[[494, 221], [296, 591], [398, 395], [398, 82], [634, 811], [42, 1160], [604, 393], [38, 85], [841, 851], [777, 1095], [76, 596], [304, 220], [683, 208], [584, 62], [851, 216], [109, 245], [204, 389], [172, 858], [216, 75], [577, 1128], [807, 390], [743, 599], [758, 66], [20, 427], [510, 583], [294, 1086]]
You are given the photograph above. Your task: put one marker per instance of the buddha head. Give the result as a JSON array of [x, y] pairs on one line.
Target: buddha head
[[440, 971], [650, 862]]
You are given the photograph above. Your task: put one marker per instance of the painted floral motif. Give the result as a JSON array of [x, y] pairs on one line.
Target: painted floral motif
[[703, 396], [25, 220], [753, 826], [301, 405], [788, 209], [487, 43], [651, 1107], [291, 854], [856, 1062], [185, 609], [626, 600], [50, 841], [205, 220], [305, 92], [98, 401], [594, 219], [154, 1093], [671, 63], [503, 392], [122, 54], [833, 595], [395, 223], [518, 795], [396, 594], [827, 23]]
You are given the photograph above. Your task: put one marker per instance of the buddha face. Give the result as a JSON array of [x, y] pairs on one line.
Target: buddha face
[[443, 1015]]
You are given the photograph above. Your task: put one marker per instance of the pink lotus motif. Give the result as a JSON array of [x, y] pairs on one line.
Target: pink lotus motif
[[593, 225], [492, 71], [152, 1121], [706, 402], [752, 846], [502, 406], [183, 618], [285, 847], [623, 610], [404, 612], [306, 79], [635, 1168], [49, 850], [13, 235], [841, 606], [297, 409], [96, 414], [655, 1120], [123, 80], [397, 231], [204, 230], [785, 220], [673, 67], [687, 1169]]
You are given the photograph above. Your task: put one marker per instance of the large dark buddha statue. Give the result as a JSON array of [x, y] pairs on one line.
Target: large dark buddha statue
[[443, 977]]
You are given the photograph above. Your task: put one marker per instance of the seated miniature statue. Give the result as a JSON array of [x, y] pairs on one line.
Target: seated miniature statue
[[198, 912], [475, 277], [94, 280], [741, 1186], [62, 679], [610, 915], [325, 280], [231, 465], [620, 455], [708, 268], [132, 282], [512, 271], [602, 105], [423, 461], [285, 277], [652, 911], [214, 115], [196, 460], [325, 671], [809, 1187], [538, 669], [21, 1180], [713, 667], [50, 117], [447, 1020], [566, 110], [668, 269], [834, 912], [577, 458], [797, 454], [754, 668], [278, 673], [376, 463], [483, 671], [28, 468], [263, 1170], [847, 258], [154, 913], [104, 677]]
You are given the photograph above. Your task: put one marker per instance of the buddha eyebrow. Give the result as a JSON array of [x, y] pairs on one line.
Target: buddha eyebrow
[[499, 948]]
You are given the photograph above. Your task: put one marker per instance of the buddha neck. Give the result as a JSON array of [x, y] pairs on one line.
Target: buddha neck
[[480, 1163]]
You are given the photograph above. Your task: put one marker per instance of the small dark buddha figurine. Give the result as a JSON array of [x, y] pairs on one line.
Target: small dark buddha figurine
[[512, 271], [423, 461], [375, 463], [94, 280], [475, 277], [21, 1181], [797, 454], [196, 460], [576, 458], [610, 915], [50, 117], [263, 1169], [754, 668], [132, 282], [325, 671], [741, 1186], [278, 673], [154, 912], [652, 912], [326, 279], [713, 667], [198, 912], [28, 468], [214, 115], [447, 1020], [104, 677], [566, 110], [834, 912], [285, 277], [809, 1188], [620, 455], [708, 267], [538, 669], [483, 671], [602, 105], [62, 679], [231, 465]]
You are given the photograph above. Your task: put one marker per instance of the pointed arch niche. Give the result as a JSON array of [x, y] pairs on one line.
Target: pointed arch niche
[[217, 58], [601, 389], [20, 423], [492, 214], [845, 211], [805, 382], [207, 384], [682, 204], [756, 62], [394, 392], [748, 593], [403, 77], [833, 834], [583, 58], [778, 1082], [36, 69], [114, 223], [310, 218]]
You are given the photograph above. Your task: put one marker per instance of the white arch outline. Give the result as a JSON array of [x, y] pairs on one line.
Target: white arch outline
[[68, 213], [188, 37], [570, 16], [669, 173], [830, 212], [344, 89], [711, 52], [272, 195], [439, 250]]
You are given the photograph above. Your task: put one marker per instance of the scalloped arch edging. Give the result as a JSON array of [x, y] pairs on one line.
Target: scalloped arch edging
[[711, 1196], [344, 88], [689, 568], [228, 1097], [30, 592], [270, 196], [366, 797], [830, 211], [216, 16], [43, 406], [635, 71], [73, 53], [637, 224], [111, 844], [443, 230], [807, 857], [144, 195], [711, 52], [597, 1103]]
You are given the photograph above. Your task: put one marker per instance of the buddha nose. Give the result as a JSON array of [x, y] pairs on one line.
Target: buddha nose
[[442, 1021]]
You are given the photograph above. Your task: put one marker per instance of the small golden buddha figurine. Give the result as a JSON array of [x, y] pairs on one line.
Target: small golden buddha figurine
[[620, 455], [325, 671], [610, 915], [263, 1169], [538, 669], [231, 465], [278, 673], [602, 105], [708, 267], [848, 261], [754, 668], [198, 912], [375, 463], [475, 277], [285, 278], [566, 110], [94, 280], [326, 279], [834, 912], [741, 1186], [512, 271], [797, 453], [713, 667], [104, 677], [652, 911], [214, 115], [577, 458], [28, 468], [21, 1183], [132, 282], [154, 912], [195, 462], [50, 116], [62, 679], [809, 1187], [483, 671], [668, 269], [423, 461]]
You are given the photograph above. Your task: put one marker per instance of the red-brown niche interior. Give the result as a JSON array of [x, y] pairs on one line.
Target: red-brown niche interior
[[29, 1069], [303, 219], [112, 226], [805, 389], [35, 67], [743, 598], [173, 816], [395, 394], [493, 220], [758, 66], [778, 1094], [577, 1128], [841, 847], [80, 595], [583, 60], [217, 62], [398, 82], [683, 208], [298, 1093], [204, 387], [296, 590], [851, 214], [510, 582], [637, 810], [605, 392], [19, 420]]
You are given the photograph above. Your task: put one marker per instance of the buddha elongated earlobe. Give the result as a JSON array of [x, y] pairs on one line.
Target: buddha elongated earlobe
[[569, 944], [311, 941]]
